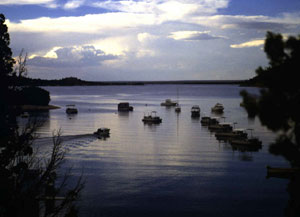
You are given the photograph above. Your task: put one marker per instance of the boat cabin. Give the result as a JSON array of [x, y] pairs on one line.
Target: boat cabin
[[124, 107]]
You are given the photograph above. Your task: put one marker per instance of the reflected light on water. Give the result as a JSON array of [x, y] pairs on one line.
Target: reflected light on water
[[142, 169]]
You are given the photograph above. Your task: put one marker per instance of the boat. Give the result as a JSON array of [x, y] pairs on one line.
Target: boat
[[152, 118], [255, 142], [245, 148], [218, 108], [221, 127], [177, 109], [195, 111], [124, 107], [234, 134], [25, 115], [285, 173], [206, 121], [169, 102], [102, 132], [71, 109]]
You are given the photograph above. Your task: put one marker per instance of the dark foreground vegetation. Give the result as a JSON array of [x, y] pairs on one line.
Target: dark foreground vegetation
[[278, 106], [30, 184]]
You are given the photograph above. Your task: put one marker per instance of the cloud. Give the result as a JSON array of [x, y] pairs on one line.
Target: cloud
[[278, 23], [73, 4], [253, 43], [25, 2], [168, 8], [91, 23], [193, 35], [46, 3], [145, 36], [77, 56]]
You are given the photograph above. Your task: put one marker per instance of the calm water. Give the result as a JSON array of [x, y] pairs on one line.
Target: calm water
[[176, 168]]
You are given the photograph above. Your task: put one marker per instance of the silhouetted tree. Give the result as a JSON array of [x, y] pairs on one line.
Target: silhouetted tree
[[28, 183], [20, 69], [6, 60], [278, 105]]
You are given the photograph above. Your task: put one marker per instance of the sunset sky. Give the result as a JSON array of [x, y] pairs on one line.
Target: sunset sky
[[147, 39]]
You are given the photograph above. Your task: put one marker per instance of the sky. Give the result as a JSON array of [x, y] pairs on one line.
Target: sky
[[140, 40]]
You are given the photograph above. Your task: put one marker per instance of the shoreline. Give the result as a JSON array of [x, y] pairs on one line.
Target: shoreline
[[38, 107]]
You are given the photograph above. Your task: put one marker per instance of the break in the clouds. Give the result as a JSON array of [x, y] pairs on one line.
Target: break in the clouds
[[146, 39]]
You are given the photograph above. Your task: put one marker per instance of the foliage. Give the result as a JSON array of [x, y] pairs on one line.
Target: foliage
[[278, 105], [6, 60], [34, 96], [28, 183]]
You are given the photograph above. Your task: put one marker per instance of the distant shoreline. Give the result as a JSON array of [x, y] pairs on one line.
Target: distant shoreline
[[27, 108], [72, 81]]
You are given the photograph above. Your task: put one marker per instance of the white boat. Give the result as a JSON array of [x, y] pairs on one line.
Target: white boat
[[152, 118], [195, 111], [218, 108], [169, 102], [71, 109], [102, 132]]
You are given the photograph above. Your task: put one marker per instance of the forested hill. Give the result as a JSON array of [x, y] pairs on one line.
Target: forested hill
[[72, 81]]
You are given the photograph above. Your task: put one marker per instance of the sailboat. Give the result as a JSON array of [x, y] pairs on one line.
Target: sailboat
[[177, 108]]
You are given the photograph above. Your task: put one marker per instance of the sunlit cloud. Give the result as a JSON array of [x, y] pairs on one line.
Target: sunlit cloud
[[144, 37], [92, 23], [52, 53], [253, 43], [73, 4], [76, 56], [26, 2], [193, 35]]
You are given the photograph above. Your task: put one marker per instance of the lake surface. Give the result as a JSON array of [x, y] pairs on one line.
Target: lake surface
[[176, 168]]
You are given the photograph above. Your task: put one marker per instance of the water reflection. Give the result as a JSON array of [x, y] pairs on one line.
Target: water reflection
[[176, 168]]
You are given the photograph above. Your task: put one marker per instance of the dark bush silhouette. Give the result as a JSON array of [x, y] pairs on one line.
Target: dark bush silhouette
[[278, 105], [28, 183], [34, 96]]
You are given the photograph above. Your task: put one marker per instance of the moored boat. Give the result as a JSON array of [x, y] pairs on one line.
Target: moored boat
[[234, 134], [177, 109], [124, 107], [247, 142], [218, 108], [152, 118], [168, 103], [195, 111], [25, 115], [221, 127], [285, 173], [71, 109], [206, 121]]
